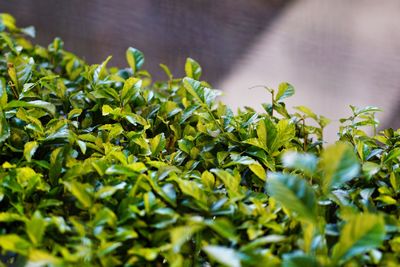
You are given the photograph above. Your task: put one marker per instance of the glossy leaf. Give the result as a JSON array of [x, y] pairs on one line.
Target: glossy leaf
[[135, 59], [361, 233], [192, 69], [339, 165], [294, 194]]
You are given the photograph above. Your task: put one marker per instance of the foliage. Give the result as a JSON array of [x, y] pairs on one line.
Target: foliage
[[102, 166]]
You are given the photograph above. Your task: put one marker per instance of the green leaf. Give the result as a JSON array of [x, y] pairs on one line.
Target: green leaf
[[3, 93], [258, 170], [182, 234], [224, 228], [294, 194], [203, 95], [167, 71], [299, 260], [285, 132], [363, 232], [4, 127], [135, 59], [130, 90], [32, 104], [30, 149], [339, 165], [14, 243], [223, 255], [82, 192], [231, 182], [192, 69], [157, 144], [285, 90], [302, 161], [36, 227]]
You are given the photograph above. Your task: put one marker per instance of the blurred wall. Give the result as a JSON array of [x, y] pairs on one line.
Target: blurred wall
[[335, 53], [216, 33]]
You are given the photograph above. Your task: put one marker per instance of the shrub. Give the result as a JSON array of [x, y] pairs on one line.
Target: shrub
[[102, 167]]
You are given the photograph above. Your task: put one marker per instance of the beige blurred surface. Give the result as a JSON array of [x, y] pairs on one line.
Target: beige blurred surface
[[335, 53]]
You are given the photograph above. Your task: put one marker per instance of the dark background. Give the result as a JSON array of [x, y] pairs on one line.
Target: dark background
[[214, 32]]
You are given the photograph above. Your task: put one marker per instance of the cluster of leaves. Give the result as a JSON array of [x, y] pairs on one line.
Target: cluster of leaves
[[103, 167]]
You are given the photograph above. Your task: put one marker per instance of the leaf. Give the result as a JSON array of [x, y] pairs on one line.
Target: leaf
[[3, 93], [14, 243], [339, 165], [231, 182], [285, 90], [42, 258], [299, 260], [362, 233], [157, 144], [30, 149], [294, 194], [302, 161], [203, 95], [49, 107], [135, 59], [36, 227], [100, 71], [4, 127], [285, 132], [258, 170], [167, 71], [82, 192], [192, 69], [182, 234], [130, 90], [223, 255], [224, 228]]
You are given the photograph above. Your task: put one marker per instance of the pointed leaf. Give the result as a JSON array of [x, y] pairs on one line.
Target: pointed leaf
[[294, 194], [285, 90], [192, 69], [339, 164], [361, 233], [135, 59]]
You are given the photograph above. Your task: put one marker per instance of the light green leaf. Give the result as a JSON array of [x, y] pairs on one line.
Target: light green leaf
[[294, 194], [285, 132], [167, 71], [192, 69], [223, 255], [285, 90], [135, 59], [224, 228], [130, 90], [82, 192], [14, 243], [307, 111], [3, 93], [363, 232], [100, 72], [258, 170], [30, 149], [36, 227], [302, 161], [157, 144], [182, 234], [339, 165], [4, 127], [231, 182], [32, 104], [203, 95]]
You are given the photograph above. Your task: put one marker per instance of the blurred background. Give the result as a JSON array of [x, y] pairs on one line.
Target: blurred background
[[335, 52]]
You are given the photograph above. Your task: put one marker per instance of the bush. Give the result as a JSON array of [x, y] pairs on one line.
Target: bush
[[102, 167]]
